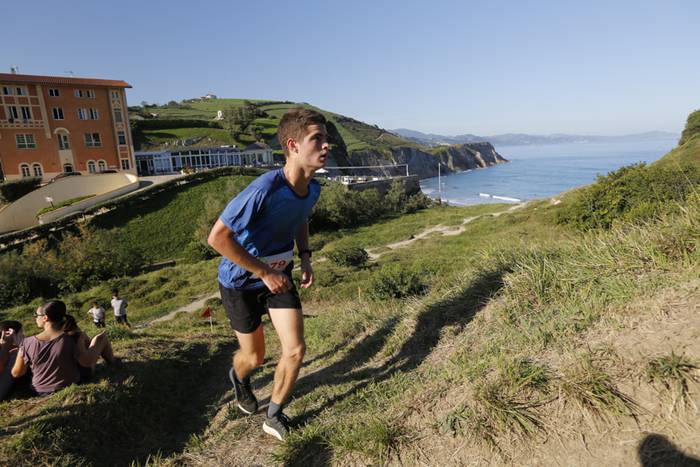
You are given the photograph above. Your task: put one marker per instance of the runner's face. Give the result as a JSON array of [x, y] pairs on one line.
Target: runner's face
[[313, 148]]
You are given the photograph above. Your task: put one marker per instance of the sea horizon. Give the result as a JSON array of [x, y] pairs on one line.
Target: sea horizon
[[543, 171]]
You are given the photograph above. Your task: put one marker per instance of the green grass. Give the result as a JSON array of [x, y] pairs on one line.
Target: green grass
[[165, 224], [211, 136], [62, 204]]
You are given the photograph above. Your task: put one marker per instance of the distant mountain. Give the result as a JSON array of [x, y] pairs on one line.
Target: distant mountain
[[520, 139]]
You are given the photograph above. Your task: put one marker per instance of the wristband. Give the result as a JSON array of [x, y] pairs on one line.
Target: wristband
[[301, 252]]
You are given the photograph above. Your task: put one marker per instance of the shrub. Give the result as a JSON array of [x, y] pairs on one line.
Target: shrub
[[349, 256], [634, 193], [15, 189], [395, 281]]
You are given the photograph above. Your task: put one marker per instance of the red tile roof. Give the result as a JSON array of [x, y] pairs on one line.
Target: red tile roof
[[64, 80]]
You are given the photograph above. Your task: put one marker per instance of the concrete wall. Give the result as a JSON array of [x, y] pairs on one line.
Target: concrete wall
[[22, 213]]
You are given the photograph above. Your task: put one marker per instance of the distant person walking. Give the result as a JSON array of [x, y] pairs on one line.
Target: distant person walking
[[255, 235], [119, 306], [98, 315]]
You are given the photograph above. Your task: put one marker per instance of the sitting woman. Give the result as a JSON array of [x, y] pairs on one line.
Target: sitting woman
[[54, 355]]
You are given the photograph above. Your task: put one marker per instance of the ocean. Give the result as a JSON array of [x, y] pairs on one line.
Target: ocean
[[542, 171]]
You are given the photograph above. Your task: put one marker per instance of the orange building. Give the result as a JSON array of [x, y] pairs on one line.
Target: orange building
[[51, 124]]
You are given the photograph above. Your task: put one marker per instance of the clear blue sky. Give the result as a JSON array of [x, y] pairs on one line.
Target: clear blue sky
[[483, 67]]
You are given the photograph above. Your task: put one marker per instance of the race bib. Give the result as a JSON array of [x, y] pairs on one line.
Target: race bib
[[278, 262]]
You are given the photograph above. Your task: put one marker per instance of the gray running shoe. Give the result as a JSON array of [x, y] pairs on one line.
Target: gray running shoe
[[277, 426], [245, 399]]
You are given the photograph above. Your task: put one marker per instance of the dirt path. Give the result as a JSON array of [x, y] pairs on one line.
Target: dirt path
[[441, 229], [198, 304]]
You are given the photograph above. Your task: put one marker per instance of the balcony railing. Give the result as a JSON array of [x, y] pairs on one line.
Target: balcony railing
[[20, 123]]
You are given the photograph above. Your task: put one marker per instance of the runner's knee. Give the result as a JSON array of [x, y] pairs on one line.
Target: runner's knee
[[295, 353]]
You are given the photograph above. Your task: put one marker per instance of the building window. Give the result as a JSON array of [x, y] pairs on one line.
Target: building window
[[125, 164], [6, 90], [67, 168], [90, 93], [91, 167], [57, 113], [24, 168], [121, 137], [25, 141], [53, 92], [115, 94], [92, 140], [26, 113], [63, 142], [21, 91], [12, 112], [118, 115], [102, 165], [78, 93], [38, 172], [82, 114], [94, 115]]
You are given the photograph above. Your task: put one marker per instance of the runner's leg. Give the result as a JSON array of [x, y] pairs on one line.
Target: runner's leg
[[251, 352], [289, 325]]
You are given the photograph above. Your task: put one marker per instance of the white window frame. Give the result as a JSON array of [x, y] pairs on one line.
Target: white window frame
[[118, 115], [25, 141], [125, 165], [78, 93], [91, 166], [7, 91], [93, 140], [57, 113], [101, 165], [37, 173], [116, 95], [26, 112], [121, 135], [94, 114], [12, 113], [90, 93], [54, 92], [63, 141], [82, 114], [25, 170], [21, 91]]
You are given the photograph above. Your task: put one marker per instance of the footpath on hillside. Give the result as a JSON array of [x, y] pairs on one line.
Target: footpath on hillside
[[374, 254]]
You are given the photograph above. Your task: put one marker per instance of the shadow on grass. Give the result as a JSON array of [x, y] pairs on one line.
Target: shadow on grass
[[149, 407], [456, 311], [657, 451]]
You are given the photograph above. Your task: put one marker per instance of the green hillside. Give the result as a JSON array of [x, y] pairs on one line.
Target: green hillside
[[350, 135]]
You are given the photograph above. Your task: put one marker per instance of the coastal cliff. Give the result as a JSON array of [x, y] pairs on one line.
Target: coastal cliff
[[425, 164]]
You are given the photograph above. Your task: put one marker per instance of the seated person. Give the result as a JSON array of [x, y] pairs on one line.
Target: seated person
[[11, 337], [54, 356]]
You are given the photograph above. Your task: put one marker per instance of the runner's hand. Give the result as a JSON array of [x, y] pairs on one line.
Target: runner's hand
[[276, 281], [307, 274]]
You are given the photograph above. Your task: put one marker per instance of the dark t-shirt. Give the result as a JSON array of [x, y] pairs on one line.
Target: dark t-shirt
[[53, 363]]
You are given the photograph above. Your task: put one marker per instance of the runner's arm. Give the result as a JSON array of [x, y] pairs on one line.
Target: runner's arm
[[307, 273], [221, 239]]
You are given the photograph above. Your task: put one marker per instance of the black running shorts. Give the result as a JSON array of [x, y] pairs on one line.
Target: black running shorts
[[245, 308]]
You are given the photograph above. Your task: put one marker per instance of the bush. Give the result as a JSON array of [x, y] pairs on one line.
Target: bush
[[395, 281], [352, 256], [341, 208], [634, 193], [15, 189]]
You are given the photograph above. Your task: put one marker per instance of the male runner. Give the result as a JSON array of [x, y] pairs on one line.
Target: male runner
[[255, 236]]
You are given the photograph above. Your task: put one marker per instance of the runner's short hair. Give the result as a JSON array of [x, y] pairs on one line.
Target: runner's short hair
[[294, 124]]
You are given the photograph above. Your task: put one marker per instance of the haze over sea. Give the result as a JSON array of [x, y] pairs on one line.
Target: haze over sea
[[542, 171]]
